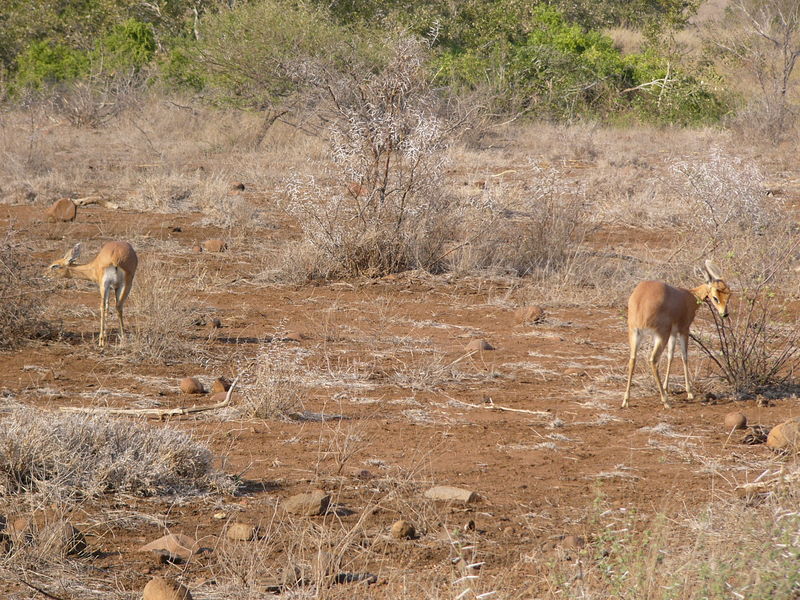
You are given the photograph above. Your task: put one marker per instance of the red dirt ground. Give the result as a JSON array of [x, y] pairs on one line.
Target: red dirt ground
[[387, 365]]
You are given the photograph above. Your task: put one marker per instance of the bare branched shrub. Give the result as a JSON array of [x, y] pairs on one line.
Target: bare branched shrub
[[95, 101], [758, 347], [21, 293], [161, 316], [277, 389], [62, 456], [535, 233], [382, 207], [727, 194], [738, 222]]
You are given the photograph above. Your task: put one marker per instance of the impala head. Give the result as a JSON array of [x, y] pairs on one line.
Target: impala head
[[57, 269], [718, 290]]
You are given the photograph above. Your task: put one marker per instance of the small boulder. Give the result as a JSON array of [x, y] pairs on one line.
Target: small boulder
[[161, 588], [215, 245], [446, 492], [191, 385], [310, 504], [242, 532], [174, 545], [403, 530], [735, 420], [476, 345], [62, 210], [529, 314], [785, 437], [221, 384]]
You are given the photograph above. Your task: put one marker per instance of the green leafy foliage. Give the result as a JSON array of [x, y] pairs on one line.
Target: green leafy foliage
[[560, 70], [47, 63]]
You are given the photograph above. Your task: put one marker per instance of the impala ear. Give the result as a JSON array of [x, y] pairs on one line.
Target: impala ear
[[712, 271], [72, 255]]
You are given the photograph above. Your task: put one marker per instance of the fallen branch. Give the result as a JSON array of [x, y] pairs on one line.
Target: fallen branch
[[155, 412]]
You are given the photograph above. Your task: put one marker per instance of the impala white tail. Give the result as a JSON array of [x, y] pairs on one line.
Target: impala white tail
[[667, 312], [112, 269]]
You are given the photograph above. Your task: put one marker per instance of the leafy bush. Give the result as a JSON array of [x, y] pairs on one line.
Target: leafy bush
[[128, 47], [557, 69], [45, 63]]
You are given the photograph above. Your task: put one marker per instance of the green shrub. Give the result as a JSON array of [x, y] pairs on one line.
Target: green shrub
[[128, 47], [560, 70], [47, 62]]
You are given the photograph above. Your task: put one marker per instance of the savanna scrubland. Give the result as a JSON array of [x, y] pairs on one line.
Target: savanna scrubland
[[432, 217]]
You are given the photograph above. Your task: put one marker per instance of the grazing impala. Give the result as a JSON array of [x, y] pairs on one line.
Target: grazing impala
[[112, 269], [667, 312]]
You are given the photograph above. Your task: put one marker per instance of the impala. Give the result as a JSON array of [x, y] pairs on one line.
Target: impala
[[667, 312], [112, 269]]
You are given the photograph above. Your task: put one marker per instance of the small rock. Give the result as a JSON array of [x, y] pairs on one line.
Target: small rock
[[161, 588], [310, 504], [403, 530], [62, 210], [573, 542], [220, 397], [529, 314], [242, 532], [191, 385], [785, 436], [735, 420], [446, 492], [221, 384], [215, 245], [177, 545], [479, 345]]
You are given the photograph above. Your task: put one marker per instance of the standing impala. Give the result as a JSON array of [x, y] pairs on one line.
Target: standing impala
[[112, 269], [667, 312]]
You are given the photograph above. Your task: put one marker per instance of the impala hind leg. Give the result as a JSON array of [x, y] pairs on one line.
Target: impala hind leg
[[634, 339], [684, 341], [659, 342], [121, 294], [670, 354]]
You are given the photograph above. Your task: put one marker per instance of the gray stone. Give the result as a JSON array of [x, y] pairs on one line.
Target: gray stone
[[309, 504], [446, 492]]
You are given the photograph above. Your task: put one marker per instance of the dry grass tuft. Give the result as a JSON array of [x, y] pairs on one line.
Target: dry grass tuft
[[277, 389], [64, 456], [21, 293], [161, 316]]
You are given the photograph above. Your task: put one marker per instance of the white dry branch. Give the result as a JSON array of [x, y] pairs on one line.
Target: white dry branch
[[156, 412]]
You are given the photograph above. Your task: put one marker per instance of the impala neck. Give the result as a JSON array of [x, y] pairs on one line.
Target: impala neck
[[80, 272], [700, 292]]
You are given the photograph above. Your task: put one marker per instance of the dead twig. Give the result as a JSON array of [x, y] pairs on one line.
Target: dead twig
[[155, 412]]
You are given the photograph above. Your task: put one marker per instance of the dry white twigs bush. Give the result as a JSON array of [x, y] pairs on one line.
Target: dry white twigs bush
[[382, 206], [62, 456]]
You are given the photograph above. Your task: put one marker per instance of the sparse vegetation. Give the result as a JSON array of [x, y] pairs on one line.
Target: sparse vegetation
[[21, 306], [394, 181]]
